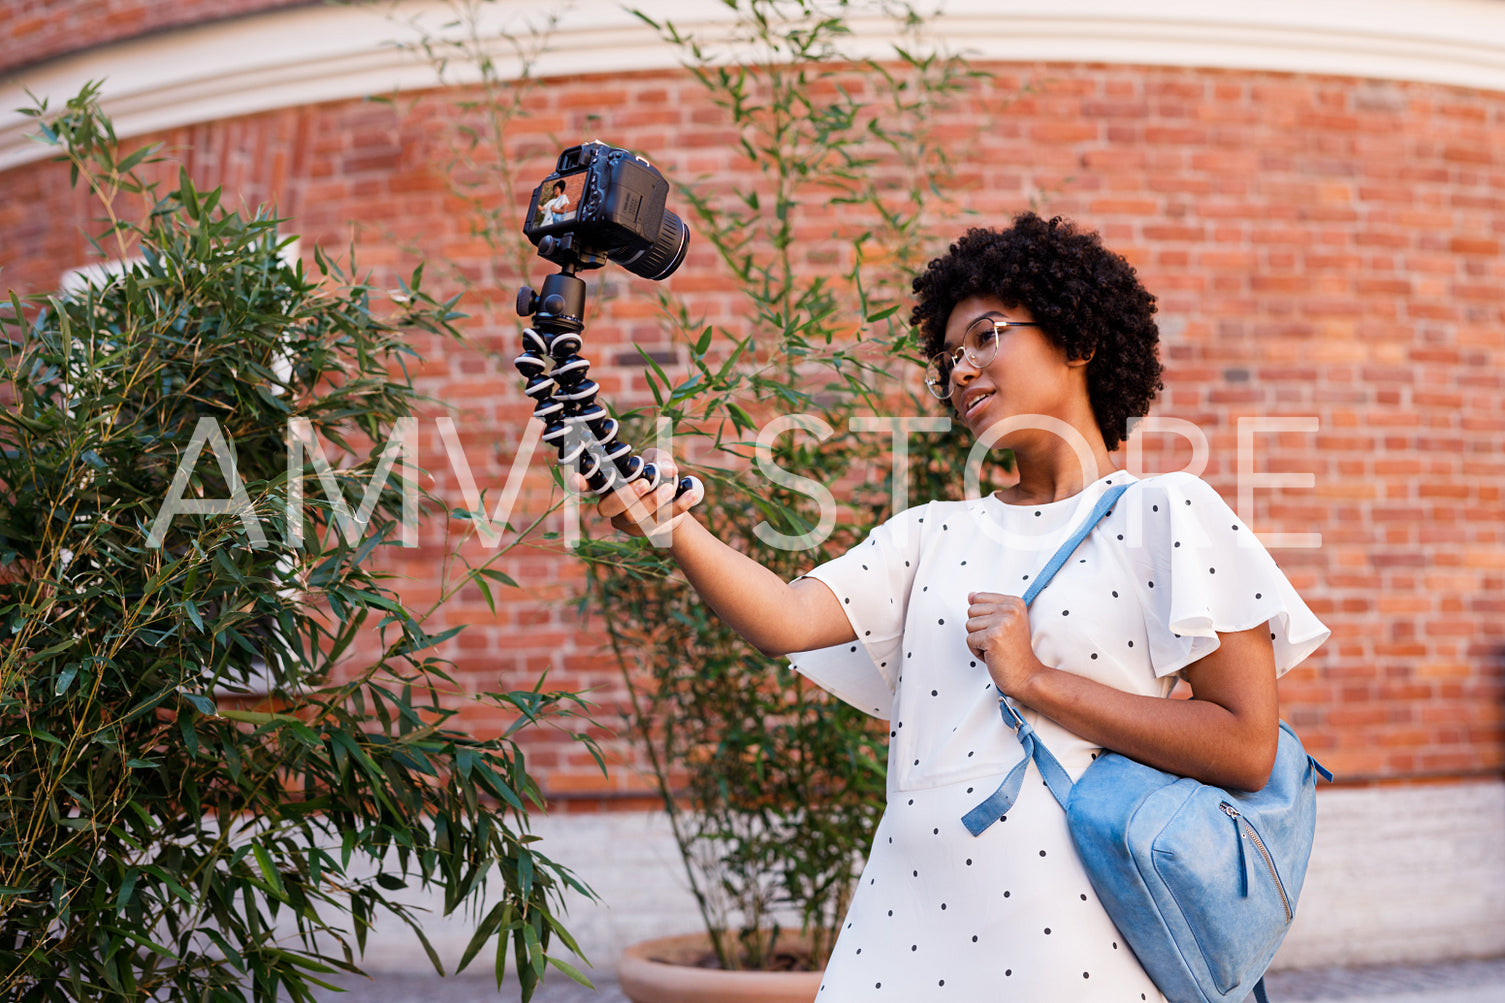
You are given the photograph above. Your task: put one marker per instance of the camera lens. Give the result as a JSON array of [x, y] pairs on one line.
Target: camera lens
[[664, 255]]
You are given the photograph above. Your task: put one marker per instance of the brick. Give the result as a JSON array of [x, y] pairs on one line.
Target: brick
[[1474, 245]]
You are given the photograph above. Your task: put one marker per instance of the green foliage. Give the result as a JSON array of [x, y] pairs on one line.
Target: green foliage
[[775, 789], [224, 758]]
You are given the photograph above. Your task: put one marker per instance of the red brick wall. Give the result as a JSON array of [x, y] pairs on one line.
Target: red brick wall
[[37, 30], [1322, 247]]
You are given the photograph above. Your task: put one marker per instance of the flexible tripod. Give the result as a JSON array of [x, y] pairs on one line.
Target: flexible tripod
[[565, 397]]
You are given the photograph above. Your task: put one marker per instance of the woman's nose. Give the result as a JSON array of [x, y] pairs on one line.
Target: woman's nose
[[963, 371]]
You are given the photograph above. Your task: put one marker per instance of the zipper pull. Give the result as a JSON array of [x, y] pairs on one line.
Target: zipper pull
[[1243, 851]]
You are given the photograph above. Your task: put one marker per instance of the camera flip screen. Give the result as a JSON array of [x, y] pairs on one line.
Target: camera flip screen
[[556, 202]]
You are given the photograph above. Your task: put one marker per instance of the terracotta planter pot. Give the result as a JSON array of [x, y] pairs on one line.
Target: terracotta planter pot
[[664, 971]]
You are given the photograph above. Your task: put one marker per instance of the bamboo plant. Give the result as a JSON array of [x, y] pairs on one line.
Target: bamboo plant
[[228, 747]]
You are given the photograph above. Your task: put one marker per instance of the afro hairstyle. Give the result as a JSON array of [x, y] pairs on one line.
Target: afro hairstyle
[[1086, 299]]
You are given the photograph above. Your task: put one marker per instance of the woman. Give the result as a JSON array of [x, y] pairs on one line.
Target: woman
[[1043, 342], [556, 209]]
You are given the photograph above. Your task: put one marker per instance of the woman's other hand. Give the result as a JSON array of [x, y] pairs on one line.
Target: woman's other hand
[[998, 631]]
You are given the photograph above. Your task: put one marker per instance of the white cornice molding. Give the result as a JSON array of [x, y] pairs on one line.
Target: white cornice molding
[[312, 54]]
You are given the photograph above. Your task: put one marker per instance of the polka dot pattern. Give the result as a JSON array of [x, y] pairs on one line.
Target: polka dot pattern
[[939, 911], [971, 923]]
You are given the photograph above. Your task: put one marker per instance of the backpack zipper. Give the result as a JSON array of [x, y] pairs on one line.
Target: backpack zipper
[[1247, 830]]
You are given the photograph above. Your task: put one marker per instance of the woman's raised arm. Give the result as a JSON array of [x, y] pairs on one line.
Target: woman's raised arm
[[773, 615]]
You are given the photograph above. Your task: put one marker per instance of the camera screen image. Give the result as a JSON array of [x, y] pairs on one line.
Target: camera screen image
[[556, 202]]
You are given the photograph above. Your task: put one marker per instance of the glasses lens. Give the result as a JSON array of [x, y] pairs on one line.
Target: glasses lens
[[981, 341], [938, 376]]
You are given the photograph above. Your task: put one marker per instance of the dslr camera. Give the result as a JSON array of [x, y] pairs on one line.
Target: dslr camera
[[603, 203]]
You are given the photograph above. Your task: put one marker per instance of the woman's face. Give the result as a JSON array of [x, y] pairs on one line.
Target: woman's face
[[1029, 374]]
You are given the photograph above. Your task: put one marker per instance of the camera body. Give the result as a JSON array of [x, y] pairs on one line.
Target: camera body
[[603, 203]]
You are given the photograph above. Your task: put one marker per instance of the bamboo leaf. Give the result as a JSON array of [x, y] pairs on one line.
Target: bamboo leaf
[[269, 871], [570, 970], [65, 679], [200, 703], [488, 926]]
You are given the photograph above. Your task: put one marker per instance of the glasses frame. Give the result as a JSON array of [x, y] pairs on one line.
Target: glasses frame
[[941, 365]]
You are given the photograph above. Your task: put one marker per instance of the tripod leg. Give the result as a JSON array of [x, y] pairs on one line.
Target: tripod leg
[[565, 397]]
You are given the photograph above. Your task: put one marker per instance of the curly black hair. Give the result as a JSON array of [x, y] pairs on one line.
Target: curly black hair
[[1086, 299]]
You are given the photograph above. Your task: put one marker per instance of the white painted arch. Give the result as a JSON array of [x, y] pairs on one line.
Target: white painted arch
[[322, 53]]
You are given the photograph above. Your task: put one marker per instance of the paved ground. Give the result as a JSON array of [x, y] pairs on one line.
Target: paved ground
[[1447, 982]]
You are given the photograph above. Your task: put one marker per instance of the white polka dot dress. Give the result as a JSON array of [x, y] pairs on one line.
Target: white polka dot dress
[[1009, 914]]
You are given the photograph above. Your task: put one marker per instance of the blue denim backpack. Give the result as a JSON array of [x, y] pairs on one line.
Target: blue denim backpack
[[1202, 882]]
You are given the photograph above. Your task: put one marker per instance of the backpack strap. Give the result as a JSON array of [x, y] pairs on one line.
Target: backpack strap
[[1061, 556], [1000, 801]]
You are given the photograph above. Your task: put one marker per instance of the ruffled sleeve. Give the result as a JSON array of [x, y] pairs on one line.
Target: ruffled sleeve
[[873, 581], [1204, 572]]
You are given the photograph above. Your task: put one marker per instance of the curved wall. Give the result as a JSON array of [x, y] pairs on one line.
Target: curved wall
[[1324, 248], [39, 30], [216, 66]]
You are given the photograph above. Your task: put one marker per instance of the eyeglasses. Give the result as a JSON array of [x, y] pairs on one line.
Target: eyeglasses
[[979, 346]]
